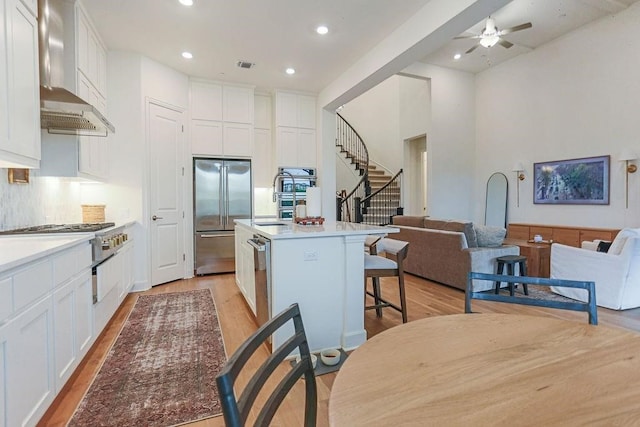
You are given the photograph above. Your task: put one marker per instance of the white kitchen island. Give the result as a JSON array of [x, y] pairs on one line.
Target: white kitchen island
[[320, 267]]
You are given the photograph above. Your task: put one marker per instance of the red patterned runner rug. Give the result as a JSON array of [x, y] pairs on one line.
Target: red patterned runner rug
[[161, 369]]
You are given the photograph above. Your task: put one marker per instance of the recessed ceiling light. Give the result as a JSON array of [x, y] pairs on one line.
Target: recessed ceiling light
[[186, 2], [187, 55], [457, 56], [290, 71], [322, 30]]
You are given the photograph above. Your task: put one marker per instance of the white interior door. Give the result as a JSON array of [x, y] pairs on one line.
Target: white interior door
[[166, 183]]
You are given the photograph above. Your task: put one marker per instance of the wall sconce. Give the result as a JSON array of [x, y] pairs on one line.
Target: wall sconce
[[518, 168], [626, 157]]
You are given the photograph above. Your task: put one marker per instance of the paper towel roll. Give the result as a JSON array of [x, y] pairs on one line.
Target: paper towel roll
[[314, 201]]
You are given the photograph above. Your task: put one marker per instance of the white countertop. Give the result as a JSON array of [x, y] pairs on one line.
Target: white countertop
[[17, 250], [286, 229]]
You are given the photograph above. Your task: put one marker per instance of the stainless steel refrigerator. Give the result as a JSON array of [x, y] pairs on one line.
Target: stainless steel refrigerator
[[221, 193]]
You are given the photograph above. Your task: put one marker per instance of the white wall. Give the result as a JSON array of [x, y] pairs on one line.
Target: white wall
[[446, 115], [133, 80], [450, 142], [578, 96], [375, 115], [44, 200]]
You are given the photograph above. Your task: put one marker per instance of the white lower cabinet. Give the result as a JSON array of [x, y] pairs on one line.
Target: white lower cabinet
[[3, 381], [45, 333], [84, 315], [29, 378], [245, 278], [66, 353], [126, 253], [73, 325]]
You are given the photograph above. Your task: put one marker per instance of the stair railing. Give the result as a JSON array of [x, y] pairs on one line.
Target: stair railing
[[378, 204], [349, 142]]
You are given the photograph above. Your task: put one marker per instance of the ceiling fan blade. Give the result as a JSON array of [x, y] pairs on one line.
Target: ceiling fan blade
[[514, 29], [468, 37], [472, 48], [504, 43]]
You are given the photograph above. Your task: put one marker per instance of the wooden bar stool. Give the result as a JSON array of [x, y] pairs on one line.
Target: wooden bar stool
[[376, 266], [510, 261]]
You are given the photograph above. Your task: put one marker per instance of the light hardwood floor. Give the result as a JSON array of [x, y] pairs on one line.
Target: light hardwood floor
[[424, 299]]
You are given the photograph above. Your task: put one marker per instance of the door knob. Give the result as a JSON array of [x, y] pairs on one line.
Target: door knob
[[156, 217]]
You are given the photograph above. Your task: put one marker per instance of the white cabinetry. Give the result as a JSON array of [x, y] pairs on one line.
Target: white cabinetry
[[93, 153], [295, 130], [19, 85], [84, 157], [127, 270], [245, 278], [29, 364], [91, 85], [263, 170], [73, 326], [91, 55], [221, 119], [45, 330]]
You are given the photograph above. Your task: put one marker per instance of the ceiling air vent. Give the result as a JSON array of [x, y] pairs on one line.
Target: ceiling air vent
[[245, 64]]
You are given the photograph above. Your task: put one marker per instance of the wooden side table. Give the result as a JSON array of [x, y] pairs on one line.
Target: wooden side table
[[538, 256]]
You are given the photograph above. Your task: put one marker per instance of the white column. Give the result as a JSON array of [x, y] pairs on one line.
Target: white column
[[353, 332]]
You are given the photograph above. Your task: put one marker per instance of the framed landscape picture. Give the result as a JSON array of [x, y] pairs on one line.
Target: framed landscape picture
[[573, 182]]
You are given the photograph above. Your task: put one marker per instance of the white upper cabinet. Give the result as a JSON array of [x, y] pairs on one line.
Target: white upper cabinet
[[91, 54], [206, 101], [93, 150], [84, 157], [19, 86], [295, 130], [262, 112], [206, 136], [262, 164], [237, 139], [295, 110], [221, 119], [237, 104], [306, 112]]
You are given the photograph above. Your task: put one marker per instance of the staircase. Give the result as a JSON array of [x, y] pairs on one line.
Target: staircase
[[381, 207], [376, 197]]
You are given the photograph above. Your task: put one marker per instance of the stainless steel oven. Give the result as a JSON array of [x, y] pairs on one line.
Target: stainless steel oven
[[304, 178]]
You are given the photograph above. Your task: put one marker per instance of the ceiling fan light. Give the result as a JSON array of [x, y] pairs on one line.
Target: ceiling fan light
[[489, 41]]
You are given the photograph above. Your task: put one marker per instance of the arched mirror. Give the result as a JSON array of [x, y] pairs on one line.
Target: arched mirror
[[495, 211]]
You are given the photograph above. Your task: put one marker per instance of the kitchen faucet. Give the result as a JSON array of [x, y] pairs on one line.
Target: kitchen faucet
[[276, 194]]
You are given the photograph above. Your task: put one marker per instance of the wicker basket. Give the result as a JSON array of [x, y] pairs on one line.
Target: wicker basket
[[93, 213]]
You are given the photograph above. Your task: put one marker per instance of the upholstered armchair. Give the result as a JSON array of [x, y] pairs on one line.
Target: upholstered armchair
[[616, 272]]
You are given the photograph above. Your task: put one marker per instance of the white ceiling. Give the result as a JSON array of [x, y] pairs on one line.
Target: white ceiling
[[274, 34], [550, 19], [277, 34]]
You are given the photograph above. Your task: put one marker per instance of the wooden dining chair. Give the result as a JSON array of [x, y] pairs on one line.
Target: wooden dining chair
[[589, 287], [236, 410], [376, 266]]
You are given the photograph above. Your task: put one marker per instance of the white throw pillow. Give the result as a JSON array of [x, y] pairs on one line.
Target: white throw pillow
[[621, 239]]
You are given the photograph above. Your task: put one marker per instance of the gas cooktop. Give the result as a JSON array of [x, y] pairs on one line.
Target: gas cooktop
[[61, 228]]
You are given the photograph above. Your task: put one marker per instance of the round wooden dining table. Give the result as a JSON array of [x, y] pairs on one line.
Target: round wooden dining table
[[490, 370]]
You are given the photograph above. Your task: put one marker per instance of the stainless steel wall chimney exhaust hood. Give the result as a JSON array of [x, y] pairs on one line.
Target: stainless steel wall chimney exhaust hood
[[62, 112]]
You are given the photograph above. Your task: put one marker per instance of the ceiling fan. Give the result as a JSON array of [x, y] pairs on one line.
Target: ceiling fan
[[491, 35]]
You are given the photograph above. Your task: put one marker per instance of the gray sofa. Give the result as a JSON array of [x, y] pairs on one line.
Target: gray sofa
[[446, 250]]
